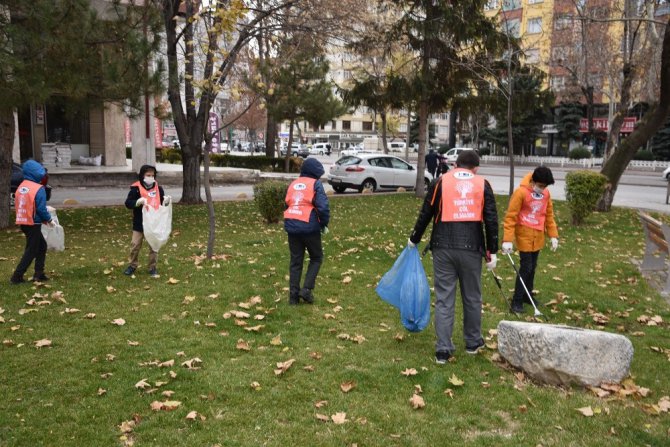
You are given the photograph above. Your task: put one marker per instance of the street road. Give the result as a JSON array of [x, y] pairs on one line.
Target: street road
[[636, 190]]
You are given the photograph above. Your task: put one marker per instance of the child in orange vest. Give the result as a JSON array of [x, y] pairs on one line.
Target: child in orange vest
[[529, 215], [31, 214]]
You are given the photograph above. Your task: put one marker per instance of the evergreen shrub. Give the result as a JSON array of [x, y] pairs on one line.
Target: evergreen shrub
[[579, 153], [643, 155], [269, 198], [582, 191]]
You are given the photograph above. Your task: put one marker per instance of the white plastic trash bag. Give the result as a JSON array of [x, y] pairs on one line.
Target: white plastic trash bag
[[157, 225], [55, 236]]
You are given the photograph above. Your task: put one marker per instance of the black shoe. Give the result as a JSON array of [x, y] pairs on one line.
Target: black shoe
[[306, 295], [472, 350], [41, 277], [293, 300], [16, 279], [517, 308], [527, 300], [129, 271], [442, 357], [153, 273]]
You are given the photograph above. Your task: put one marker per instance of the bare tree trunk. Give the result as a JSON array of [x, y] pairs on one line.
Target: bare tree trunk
[[617, 121], [421, 162], [6, 146], [210, 204], [510, 135], [270, 137], [287, 159], [385, 147], [653, 120]]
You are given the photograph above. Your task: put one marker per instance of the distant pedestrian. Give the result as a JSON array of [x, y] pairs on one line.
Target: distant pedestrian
[[306, 217], [432, 161], [31, 213], [462, 207], [529, 216], [144, 192]]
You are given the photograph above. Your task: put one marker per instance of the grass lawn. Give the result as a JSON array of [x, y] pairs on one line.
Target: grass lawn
[[182, 345]]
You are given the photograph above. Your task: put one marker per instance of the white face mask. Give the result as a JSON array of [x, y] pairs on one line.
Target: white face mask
[[538, 190], [149, 181]]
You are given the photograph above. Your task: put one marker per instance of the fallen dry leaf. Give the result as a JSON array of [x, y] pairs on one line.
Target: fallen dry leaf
[[347, 386], [110, 289], [339, 418], [172, 281], [243, 345], [409, 372], [322, 417], [455, 381], [255, 386], [142, 384], [346, 280], [192, 364], [118, 322], [254, 328], [417, 402], [320, 403], [276, 341], [282, 367], [586, 411], [42, 343]]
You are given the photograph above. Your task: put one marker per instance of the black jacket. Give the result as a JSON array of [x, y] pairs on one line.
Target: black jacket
[[459, 235], [133, 196]]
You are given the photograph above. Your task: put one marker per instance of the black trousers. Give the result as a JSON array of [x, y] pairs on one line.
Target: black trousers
[[297, 243], [527, 271], [36, 249]]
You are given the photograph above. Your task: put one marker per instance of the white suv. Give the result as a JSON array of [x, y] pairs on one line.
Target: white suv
[[452, 154]]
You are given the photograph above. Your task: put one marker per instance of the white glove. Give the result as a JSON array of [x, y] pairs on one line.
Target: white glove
[[140, 202], [492, 263], [507, 248], [325, 230], [50, 224], [410, 244], [554, 243], [167, 200]]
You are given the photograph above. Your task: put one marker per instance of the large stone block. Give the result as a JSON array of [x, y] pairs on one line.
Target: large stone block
[[563, 355]]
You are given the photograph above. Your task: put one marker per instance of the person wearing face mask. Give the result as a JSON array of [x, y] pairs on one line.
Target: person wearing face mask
[[529, 216], [144, 192]]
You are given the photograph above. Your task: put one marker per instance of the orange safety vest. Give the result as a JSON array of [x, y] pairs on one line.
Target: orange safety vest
[[462, 196], [299, 199], [152, 195], [24, 202], [534, 209]]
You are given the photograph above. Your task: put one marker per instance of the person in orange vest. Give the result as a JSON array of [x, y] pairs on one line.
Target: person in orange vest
[[31, 213], [529, 216], [306, 217], [462, 207], [144, 192]]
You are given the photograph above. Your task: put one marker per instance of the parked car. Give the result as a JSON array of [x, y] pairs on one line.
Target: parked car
[[320, 149], [452, 154], [353, 150], [373, 171], [396, 146], [170, 143], [299, 150], [17, 178], [666, 174]]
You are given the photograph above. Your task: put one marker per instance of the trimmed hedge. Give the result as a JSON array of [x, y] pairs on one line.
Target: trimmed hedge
[[579, 153], [270, 198], [260, 162], [643, 155], [582, 191]]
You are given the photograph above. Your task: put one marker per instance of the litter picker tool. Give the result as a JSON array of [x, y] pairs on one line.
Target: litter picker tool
[[530, 297], [502, 294]]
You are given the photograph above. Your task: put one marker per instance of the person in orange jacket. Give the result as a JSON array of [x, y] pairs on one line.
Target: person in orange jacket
[[529, 215]]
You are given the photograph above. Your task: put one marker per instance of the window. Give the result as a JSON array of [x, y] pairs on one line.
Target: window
[[509, 5], [333, 125], [557, 83], [559, 54], [367, 125], [380, 162], [512, 27], [399, 164], [346, 125], [563, 22], [534, 25], [403, 127], [346, 74], [532, 2], [533, 56], [490, 5]]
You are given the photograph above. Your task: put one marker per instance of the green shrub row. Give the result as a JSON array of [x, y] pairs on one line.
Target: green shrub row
[[260, 162]]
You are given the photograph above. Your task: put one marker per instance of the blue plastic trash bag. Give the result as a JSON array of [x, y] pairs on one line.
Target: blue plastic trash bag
[[405, 286]]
